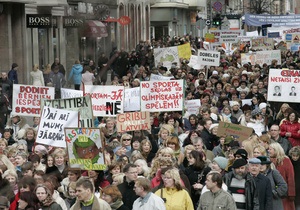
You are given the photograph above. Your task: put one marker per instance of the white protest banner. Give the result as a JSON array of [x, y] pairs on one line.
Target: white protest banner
[[252, 33], [107, 100], [81, 104], [284, 86], [194, 61], [162, 95], [166, 56], [52, 124], [85, 148], [132, 99], [262, 43], [210, 58], [70, 93], [132, 121], [261, 57], [247, 101], [192, 106], [156, 77], [226, 36], [27, 99]]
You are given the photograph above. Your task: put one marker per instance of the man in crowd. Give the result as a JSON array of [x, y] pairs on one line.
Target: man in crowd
[[274, 132]]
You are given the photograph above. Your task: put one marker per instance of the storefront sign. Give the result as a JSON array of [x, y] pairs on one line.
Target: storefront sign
[[39, 21], [72, 22]]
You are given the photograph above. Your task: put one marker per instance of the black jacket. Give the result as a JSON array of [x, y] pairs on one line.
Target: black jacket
[[128, 193]]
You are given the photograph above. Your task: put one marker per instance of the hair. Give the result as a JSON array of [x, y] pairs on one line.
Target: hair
[[166, 127], [71, 185], [199, 162], [125, 136], [24, 155], [196, 140], [261, 149], [59, 151], [145, 168], [86, 183], [49, 199], [113, 165], [174, 173], [136, 154], [167, 150], [145, 141], [119, 177], [188, 147], [173, 140], [10, 172], [4, 159], [216, 177], [127, 166], [144, 183], [3, 140], [296, 116], [31, 199], [294, 151], [280, 113], [27, 181], [265, 138], [279, 153], [113, 191], [31, 129], [27, 166]]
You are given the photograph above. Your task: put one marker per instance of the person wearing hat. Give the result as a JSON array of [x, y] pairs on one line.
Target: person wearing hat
[[257, 123], [267, 114], [19, 126], [236, 182], [241, 153], [279, 186], [263, 189], [219, 164], [236, 111], [243, 87], [13, 73]]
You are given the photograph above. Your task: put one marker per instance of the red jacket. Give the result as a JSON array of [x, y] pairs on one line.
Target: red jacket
[[293, 128]]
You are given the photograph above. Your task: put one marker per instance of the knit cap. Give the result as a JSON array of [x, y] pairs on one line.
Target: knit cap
[[221, 161]]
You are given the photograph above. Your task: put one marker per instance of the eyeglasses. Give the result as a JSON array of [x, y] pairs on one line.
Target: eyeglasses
[[126, 139]]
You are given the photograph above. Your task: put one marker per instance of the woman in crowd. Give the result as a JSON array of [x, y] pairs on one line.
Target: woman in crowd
[[143, 169], [290, 129], [145, 149], [45, 198], [76, 74], [28, 201], [173, 194], [113, 197], [37, 78]]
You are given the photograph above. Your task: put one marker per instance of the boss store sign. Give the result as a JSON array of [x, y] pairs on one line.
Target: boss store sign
[[40, 21], [72, 22]]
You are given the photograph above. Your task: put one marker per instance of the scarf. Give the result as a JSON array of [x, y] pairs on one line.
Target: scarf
[[89, 202], [227, 116], [116, 205]]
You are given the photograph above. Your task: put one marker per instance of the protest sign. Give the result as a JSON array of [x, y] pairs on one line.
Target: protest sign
[[184, 51], [81, 104], [238, 132], [261, 57], [192, 106], [166, 56], [210, 58], [52, 124], [226, 36], [85, 148], [70, 93], [162, 95], [275, 20], [284, 85], [262, 43], [209, 37], [107, 100], [132, 99], [252, 33], [27, 99], [156, 77], [132, 121], [194, 62]]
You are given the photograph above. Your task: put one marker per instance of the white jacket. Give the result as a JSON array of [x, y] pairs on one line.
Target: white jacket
[[150, 202]]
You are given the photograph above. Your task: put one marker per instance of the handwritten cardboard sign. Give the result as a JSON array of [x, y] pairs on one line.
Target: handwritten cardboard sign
[[81, 104], [210, 58], [107, 100], [52, 124], [27, 99], [162, 95], [85, 148], [239, 132], [132, 121]]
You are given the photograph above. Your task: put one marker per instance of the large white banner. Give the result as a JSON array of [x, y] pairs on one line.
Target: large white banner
[[107, 100], [209, 58], [52, 124], [261, 57], [156, 77], [284, 85], [166, 56], [70, 93], [159, 96], [132, 100], [27, 99], [226, 36]]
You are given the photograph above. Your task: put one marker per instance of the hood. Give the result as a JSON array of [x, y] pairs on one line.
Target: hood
[[77, 68]]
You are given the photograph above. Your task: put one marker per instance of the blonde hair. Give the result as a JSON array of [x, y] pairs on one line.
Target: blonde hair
[[261, 149], [279, 153], [125, 136], [59, 151], [118, 177], [174, 173], [166, 127], [188, 147]]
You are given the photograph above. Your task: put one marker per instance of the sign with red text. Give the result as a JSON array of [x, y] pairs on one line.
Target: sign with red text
[[27, 99], [210, 58], [52, 124], [159, 96], [238, 132], [284, 85], [107, 101], [85, 148], [133, 121], [81, 104]]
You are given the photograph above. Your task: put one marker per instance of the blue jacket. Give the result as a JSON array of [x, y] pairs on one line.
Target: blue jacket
[[13, 76], [76, 74]]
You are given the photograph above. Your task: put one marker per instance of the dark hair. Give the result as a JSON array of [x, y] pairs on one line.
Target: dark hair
[[199, 162], [31, 199], [195, 117], [27, 181], [34, 158], [27, 166], [85, 183], [296, 116], [113, 191], [127, 166], [11, 131], [216, 177]]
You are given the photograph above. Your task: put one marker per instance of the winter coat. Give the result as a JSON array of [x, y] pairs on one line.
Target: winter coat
[[258, 126], [76, 74], [18, 128], [217, 200], [128, 193], [296, 165], [286, 170], [279, 188], [13, 76], [293, 128], [37, 78], [97, 204]]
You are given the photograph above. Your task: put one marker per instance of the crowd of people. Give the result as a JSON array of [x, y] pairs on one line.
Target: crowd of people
[[181, 162]]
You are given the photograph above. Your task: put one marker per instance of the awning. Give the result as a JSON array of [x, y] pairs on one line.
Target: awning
[[95, 28]]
